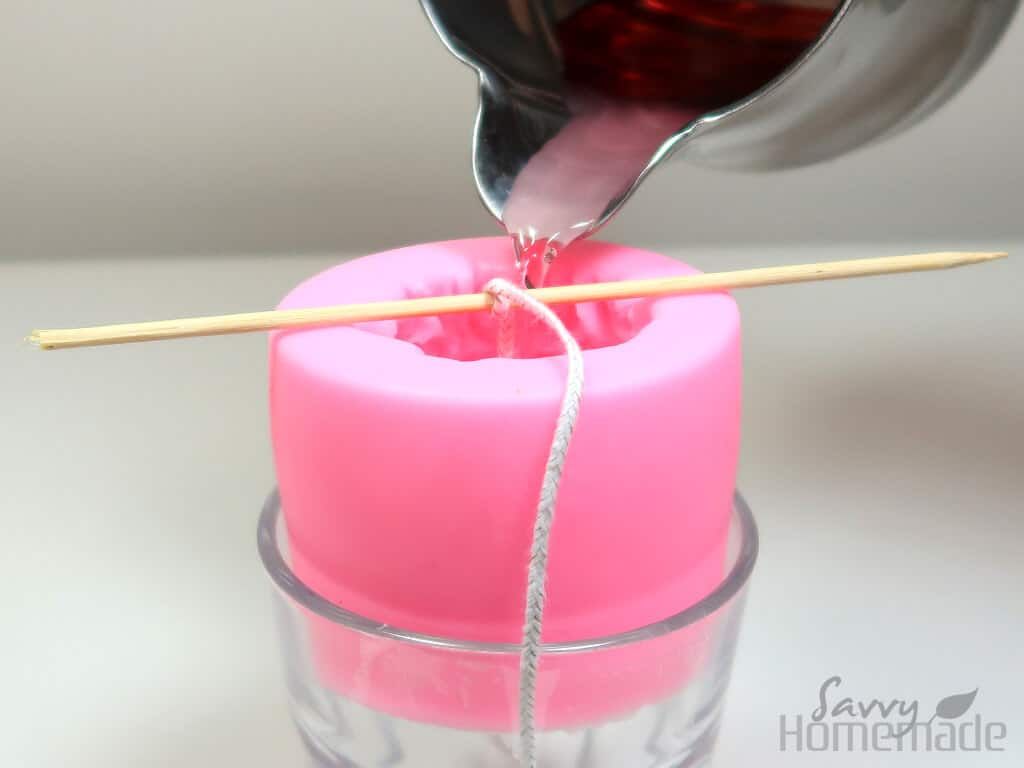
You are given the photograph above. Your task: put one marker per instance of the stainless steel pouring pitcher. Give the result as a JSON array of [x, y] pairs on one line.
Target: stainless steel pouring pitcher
[[581, 99]]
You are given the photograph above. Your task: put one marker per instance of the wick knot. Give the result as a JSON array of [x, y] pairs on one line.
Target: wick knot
[[501, 291]]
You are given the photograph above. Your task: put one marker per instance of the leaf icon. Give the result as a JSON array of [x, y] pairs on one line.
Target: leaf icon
[[952, 707]]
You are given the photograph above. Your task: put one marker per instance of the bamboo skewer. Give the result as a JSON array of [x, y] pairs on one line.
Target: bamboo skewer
[[477, 302]]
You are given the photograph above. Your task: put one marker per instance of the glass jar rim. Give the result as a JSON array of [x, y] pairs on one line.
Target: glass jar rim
[[285, 580]]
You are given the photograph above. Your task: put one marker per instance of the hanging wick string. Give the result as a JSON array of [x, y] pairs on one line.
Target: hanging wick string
[[506, 294]]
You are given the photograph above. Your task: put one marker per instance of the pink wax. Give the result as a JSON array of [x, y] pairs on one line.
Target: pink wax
[[409, 458]]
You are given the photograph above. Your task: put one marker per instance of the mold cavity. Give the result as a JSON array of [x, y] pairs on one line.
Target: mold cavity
[[474, 335]]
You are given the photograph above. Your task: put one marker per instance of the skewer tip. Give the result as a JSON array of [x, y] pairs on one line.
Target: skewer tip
[[953, 259], [976, 258], [37, 339]]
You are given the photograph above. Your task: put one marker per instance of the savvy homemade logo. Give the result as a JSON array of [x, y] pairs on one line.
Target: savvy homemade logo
[[897, 725]]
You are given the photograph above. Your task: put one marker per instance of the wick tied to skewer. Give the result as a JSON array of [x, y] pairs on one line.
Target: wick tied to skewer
[[478, 302]]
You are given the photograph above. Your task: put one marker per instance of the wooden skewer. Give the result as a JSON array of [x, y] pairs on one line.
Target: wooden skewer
[[477, 302]]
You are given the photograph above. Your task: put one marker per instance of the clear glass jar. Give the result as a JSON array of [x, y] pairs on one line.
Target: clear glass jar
[[365, 694]]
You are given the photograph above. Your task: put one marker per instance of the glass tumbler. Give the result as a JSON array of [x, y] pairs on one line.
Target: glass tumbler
[[365, 694]]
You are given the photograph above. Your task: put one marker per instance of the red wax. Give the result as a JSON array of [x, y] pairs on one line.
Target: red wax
[[699, 54]]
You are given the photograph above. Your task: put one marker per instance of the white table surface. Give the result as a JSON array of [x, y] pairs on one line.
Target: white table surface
[[883, 456]]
